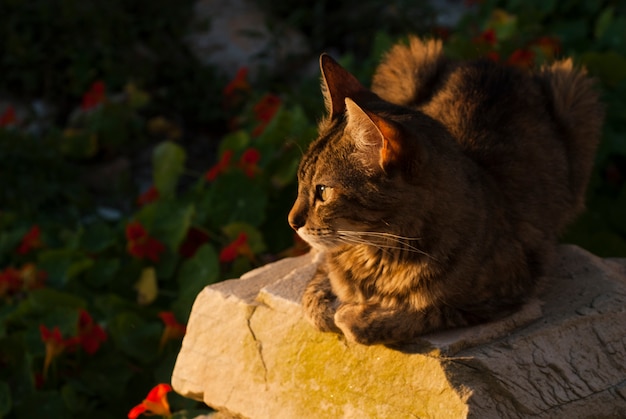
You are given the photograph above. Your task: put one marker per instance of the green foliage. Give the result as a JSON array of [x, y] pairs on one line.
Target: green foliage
[[55, 49], [69, 262]]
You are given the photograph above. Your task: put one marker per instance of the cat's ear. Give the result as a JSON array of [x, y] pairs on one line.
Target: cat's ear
[[337, 85], [378, 141]]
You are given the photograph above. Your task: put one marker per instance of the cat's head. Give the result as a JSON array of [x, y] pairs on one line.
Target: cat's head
[[353, 178]]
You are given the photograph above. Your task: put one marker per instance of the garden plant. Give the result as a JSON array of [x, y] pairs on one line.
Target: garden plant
[[103, 250]]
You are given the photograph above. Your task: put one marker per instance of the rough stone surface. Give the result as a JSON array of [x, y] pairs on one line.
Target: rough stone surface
[[248, 351]]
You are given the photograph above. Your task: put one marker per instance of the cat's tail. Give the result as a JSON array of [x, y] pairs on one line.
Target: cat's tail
[[579, 114], [408, 72]]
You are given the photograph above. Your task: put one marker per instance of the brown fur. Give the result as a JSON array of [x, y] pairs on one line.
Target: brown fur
[[437, 196]]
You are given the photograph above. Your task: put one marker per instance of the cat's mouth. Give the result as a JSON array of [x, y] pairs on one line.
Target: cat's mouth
[[319, 239]]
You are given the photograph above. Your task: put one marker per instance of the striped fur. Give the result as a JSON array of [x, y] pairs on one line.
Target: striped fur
[[437, 196]]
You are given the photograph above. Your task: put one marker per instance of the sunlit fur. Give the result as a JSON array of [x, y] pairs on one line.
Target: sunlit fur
[[436, 198]]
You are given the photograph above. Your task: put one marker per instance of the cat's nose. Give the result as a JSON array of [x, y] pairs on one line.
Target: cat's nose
[[296, 219]]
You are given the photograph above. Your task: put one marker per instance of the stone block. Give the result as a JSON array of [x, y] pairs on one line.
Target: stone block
[[249, 352]]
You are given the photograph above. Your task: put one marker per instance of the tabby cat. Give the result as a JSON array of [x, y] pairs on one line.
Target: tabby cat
[[436, 197]]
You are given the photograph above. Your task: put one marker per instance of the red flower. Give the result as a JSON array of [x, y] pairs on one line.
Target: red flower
[[220, 167], [487, 37], [493, 56], [234, 91], [173, 329], [155, 404], [140, 244], [13, 280], [194, 239], [30, 241], [264, 110], [94, 96], [90, 334], [249, 160], [55, 345], [10, 282], [238, 247], [150, 195], [8, 117], [239, 82], [522, 58]]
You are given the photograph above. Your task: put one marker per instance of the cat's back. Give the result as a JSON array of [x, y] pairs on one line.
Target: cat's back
[[534, 133]]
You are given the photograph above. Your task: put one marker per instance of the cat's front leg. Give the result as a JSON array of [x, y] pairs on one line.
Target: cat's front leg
[[367, 324], [320, 303], [370, 324]]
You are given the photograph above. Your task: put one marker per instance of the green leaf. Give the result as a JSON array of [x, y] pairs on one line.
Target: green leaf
[[167, 220], [609, 66], [603, 22], [73, 399], [107, 376], [42, 404], [235, 141], [47, 298], [136, 337], [168, 161], [97, 237], [195, 274], [234, 197], [56, 263], [102, 272], [5, 398]]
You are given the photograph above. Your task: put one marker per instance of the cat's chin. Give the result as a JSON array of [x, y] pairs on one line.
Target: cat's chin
[[318, 243]]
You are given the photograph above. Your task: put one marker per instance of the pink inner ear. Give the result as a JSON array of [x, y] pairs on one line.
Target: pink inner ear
[[340, 84]]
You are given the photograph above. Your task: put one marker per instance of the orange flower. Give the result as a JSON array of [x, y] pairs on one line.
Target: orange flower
[[55, 345], [155, 404], [249, 160], [8, 117], [173, 329], [140, 244], [522, 58], [230, 252], [90, 334], [220, 167], [94, 96], [238, 247], [264, 110], [150, 195], [30, 241]]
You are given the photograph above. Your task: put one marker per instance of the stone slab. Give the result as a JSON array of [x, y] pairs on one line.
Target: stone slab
[[249, 351]]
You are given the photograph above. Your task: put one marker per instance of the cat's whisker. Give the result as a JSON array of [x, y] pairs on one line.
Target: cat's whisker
[[397, 242]]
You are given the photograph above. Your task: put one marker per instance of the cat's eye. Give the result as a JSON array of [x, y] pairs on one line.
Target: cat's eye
[[322, 192]]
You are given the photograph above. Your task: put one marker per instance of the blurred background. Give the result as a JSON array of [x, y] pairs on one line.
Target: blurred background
[[149, 148]]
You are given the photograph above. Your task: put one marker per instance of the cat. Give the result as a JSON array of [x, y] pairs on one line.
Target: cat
[[436, 198]]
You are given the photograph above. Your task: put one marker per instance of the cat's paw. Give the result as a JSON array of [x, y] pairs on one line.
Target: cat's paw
[[319, 304], [352, 320]]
